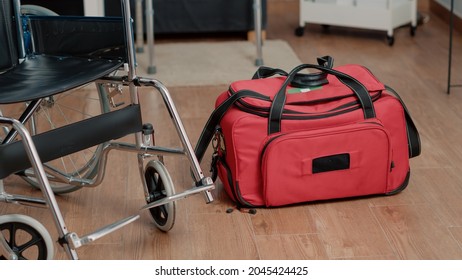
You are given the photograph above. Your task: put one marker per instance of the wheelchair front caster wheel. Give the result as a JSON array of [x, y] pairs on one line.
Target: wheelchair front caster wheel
[[160, 185], [26, 237]]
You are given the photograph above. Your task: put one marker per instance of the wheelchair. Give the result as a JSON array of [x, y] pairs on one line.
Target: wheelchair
[[56, 135]]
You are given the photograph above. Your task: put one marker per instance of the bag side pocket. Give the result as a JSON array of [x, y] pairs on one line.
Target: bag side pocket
[[346, 161]]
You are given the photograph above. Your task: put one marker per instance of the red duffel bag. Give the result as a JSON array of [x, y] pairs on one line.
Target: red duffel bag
[[296, 137]]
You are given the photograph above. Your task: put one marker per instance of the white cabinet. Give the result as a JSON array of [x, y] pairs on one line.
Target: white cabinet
[[93, 8], [383, 15]]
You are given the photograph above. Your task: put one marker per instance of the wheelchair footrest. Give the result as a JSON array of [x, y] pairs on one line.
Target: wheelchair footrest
[[77, 242], [72, 138]]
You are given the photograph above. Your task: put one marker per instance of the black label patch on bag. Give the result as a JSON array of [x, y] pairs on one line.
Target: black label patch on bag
[[331, 163]]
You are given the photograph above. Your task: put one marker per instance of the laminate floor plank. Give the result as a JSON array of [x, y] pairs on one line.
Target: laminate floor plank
[[416, 232]]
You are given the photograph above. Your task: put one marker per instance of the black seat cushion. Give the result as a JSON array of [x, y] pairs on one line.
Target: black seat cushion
[[43, 75]]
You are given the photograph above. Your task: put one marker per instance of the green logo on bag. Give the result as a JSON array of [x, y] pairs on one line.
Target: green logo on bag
[[301, 90]]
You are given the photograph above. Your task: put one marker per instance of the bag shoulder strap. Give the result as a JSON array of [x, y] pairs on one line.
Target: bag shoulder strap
[[216, 116], [413, 137]]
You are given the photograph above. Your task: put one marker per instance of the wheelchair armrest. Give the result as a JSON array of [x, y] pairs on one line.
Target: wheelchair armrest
[[71, 138], [93, 37]]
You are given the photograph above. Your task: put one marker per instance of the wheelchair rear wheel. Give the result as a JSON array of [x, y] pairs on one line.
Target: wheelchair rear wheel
[[26, 237], [71, 172], [160, 185], [60, 110], [36, 10]]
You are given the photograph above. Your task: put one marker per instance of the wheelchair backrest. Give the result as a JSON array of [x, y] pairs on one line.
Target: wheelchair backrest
[[92, 37], [9, 54]]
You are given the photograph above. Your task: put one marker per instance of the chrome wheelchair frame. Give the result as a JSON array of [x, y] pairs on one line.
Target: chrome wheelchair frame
[[22, 140]]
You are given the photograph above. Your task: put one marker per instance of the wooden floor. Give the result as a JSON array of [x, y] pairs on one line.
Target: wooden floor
[[422, 222]]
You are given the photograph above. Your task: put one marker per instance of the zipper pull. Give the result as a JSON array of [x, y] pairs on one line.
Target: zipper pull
[[213, 167], [217, 153]]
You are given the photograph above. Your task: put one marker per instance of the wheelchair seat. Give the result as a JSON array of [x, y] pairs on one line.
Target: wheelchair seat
[[40, 76], [39, 58]]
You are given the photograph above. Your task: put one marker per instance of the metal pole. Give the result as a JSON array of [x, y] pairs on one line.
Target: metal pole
[[189, 150], [451, 25], [44, 184], [139, 27], [258, 26], [129, 37], [150, 36]]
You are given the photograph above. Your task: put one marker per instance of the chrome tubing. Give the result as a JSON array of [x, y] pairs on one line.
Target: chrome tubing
[[131, 58], [150, 36], [207, 185], [77, 241], [177, 122], [21, 199], [258, 35], [129, 39], [43, 181], [26, 115], [196, 168], [139, 27]]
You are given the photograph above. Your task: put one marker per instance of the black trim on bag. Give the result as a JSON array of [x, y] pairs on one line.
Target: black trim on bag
[[229, 177], [241, 199], [240, 202], [402, 186], [413, 137]]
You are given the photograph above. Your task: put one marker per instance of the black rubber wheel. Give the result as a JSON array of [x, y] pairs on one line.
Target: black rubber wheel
[[325, 28], [413, 30], [299, 31], [26, 237], [160, 185], [390, 40]]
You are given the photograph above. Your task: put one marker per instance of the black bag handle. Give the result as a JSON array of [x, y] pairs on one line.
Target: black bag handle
[[300, 80], [277, 106]]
